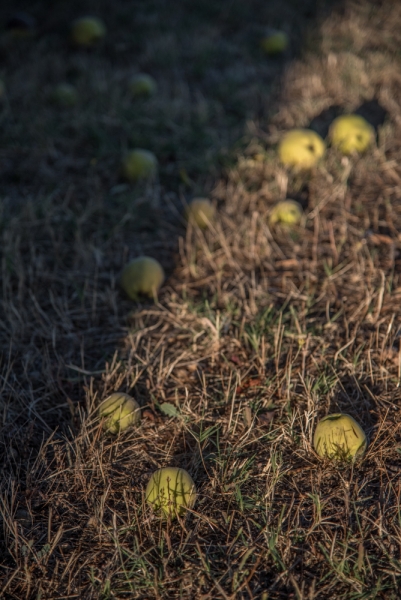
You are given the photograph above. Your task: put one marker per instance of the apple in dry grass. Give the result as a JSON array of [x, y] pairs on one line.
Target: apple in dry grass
[[65, 94], [139, 164], [143, 275], [287, 212], [142, 86], [340, 437], [119, 412], [351, 133], [301, 149], [275, 43], [200, 212], [170, 491], [87, 31]]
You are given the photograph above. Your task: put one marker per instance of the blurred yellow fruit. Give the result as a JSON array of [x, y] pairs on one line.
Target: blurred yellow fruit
[[301, 148], [142, 85], [351, 133], [275, 43], [201, 212], [139, 164], [65, 94], [340, 437], [119, 412], [87, 31], [143, 275], [171, 491], [287, 212]]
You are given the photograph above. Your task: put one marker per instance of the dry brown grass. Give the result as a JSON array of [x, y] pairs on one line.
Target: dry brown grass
[[258, 332]]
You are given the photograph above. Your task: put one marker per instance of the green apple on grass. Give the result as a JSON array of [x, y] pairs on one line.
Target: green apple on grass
[[338, 436], [87, 31], [142, 85], [170, 491], [301, 149], [275, 42], [200, 212], [142, 276], [139, 165], [351, 133], [287, 212], [119, 411]]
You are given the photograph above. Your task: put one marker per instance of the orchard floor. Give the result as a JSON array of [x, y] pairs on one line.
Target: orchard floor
[[258, 332]]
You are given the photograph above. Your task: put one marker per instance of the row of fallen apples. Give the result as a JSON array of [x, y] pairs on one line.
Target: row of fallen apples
[[171, 490]]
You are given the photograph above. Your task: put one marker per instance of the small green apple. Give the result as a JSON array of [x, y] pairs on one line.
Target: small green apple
[[143, 275], [142, 86], [340, 437], [170, 491], [139, 164], [119, 412], [201, 212], [351, 133], [87, 31], [65, 94], [301, 149], [275, 43], [287, 212]]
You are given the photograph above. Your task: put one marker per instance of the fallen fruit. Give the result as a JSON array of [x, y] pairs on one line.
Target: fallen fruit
[[340, 437], [119, 412], [171, 491], [143, 275], [287, 212], [139, 164], [301, 148], [200, 211], [351, 133], [275, 43], [142, 85], [64, 95], [87, 31]]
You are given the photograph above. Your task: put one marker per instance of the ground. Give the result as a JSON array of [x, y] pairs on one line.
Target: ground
[[257, 333]]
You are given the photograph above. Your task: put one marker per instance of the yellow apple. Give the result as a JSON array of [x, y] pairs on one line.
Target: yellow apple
[[287, 212], [139, 164], [143, 275], [340, 437], [351, 133], [142, 85], [275, 43], [65, 94], [170, 491], [119, 412], [301, 149], [87, 31], [200, 211]]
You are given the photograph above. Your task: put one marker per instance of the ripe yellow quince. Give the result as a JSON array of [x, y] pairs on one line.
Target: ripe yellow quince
[[301, 149], [119, 412], [87, 31], [139, 164], [287, 212], [340, 437], [171, 491], [201, 212], [351, 133], [143, 275]]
